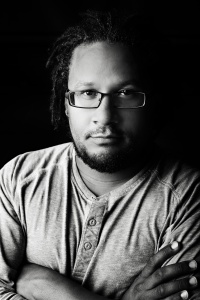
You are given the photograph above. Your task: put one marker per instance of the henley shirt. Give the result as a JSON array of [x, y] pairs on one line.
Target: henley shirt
[[49, 217]]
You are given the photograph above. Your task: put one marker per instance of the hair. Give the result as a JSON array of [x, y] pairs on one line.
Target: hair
[[131, 29]]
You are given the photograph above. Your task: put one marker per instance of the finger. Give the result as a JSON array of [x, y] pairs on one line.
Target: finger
[[173, 287], [196, 286], [197, 275], [159, 258], [183, 295], [170, 272]]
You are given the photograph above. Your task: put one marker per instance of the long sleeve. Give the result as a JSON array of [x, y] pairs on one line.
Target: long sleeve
[[12, 237], [185, 226]]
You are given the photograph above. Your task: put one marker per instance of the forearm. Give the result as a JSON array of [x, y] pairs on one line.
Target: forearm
[[64, 289], [46, 284]]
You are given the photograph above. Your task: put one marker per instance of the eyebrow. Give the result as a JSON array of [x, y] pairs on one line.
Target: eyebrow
[[85, 83], [132, 82]]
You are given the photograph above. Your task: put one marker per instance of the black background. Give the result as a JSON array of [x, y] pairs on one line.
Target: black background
[[29, 28]]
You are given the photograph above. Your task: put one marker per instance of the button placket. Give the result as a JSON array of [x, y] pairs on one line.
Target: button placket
[[89, 239]]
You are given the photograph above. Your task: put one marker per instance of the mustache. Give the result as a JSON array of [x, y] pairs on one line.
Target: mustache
[[105, 130]]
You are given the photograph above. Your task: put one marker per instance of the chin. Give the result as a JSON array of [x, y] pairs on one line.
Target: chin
[[107, 160], [103, 152]]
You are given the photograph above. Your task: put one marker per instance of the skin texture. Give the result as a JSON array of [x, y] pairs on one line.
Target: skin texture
[[108, 139]]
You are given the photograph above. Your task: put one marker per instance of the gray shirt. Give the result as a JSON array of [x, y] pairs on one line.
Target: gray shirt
[[49, 217]]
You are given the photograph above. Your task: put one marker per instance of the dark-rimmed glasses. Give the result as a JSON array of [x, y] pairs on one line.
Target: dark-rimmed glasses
[[92, 99]]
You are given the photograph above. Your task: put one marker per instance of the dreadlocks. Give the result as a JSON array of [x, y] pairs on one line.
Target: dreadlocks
[[94, 26]]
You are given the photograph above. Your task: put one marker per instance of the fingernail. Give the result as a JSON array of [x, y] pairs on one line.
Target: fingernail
[[174, 245], [193, 281], [193, 264], [184, 295]]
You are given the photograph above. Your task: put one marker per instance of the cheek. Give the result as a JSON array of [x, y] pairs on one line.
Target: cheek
[[135, 121], [78, 122], [139, 125]]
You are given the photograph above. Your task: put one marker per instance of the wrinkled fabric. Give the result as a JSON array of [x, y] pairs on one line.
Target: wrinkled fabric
[[49, 217]]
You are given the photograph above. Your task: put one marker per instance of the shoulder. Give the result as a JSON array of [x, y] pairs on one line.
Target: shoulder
[[176, 174], [24, 165]]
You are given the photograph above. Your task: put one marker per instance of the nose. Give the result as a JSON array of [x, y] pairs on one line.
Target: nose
[[106, 113]]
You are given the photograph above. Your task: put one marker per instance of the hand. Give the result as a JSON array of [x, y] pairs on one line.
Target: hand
[[154, 282], [157, 282]]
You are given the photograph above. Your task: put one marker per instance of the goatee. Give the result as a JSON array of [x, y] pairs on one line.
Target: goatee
[[107, 162]]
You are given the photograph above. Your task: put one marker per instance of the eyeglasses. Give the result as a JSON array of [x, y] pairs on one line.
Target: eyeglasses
[[92, 99]]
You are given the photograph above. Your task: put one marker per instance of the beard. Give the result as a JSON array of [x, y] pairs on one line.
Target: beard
[[109, 162]]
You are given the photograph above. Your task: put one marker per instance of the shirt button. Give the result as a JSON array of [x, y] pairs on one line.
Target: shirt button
[[92, 222], [87, 246]]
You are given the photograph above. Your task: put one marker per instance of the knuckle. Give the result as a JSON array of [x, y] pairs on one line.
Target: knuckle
[[160, 274], [148, 268], [152, 260], [160, 291], [138, 287], [181, 284], [179, 267]]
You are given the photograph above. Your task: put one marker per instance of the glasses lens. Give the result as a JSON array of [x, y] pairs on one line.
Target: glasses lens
[[130, 100], [86, 99]]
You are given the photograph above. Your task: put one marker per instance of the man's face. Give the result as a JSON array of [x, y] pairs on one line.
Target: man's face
[[107, 138]]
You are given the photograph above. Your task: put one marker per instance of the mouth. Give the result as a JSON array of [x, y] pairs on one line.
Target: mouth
[[105, 136], [106, 139]]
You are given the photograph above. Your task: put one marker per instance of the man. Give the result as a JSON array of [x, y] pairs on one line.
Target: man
[[108, 216]]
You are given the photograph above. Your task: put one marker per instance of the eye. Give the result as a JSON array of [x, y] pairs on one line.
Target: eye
[[88, 93], [126, 92]]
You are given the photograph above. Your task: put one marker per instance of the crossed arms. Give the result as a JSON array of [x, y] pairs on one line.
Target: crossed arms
[[21, 236], [177, 281]]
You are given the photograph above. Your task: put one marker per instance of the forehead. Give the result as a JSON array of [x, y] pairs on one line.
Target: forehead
[[102, 49], [104, 61]]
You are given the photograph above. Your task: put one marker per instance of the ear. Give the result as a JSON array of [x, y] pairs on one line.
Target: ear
[[66, 107], [66, 111]]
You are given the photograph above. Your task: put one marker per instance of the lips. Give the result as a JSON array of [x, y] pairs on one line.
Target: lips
[[105, 140], [105, 136]]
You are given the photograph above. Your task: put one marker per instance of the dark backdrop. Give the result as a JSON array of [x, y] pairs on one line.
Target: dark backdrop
[[29, 28]]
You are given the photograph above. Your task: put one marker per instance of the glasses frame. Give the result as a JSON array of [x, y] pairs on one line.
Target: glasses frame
[[69, 93]]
